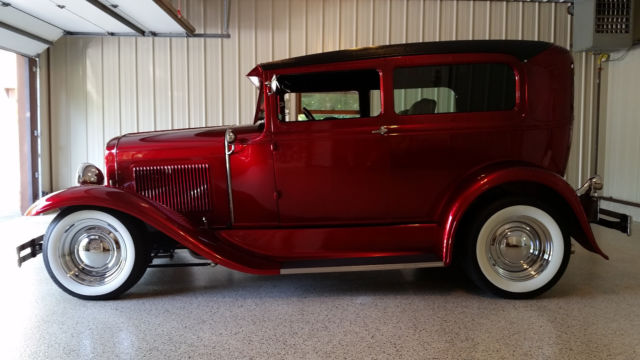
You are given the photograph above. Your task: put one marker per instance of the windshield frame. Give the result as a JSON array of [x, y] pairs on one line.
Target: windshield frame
[[260, 113]]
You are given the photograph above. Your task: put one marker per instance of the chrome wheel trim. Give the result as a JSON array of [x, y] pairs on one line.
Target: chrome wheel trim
[[99, 275], [91, 252], [543, 251], [519, 250]]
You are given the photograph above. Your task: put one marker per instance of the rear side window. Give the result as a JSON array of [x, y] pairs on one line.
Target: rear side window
[[453, 88]]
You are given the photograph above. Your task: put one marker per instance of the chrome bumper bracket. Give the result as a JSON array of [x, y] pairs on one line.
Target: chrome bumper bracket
[[34, 247], [588, 195]]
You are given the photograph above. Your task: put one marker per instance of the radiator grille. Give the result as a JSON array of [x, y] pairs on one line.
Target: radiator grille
[[183, 188], [613, 16]]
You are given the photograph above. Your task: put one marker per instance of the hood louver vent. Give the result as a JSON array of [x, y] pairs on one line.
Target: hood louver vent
[[183, 188]]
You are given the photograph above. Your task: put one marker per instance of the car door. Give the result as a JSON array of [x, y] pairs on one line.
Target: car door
[[449, 118], [330, 164]]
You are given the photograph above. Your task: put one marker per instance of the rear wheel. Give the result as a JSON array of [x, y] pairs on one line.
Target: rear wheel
[[91, 254], [516, 249]]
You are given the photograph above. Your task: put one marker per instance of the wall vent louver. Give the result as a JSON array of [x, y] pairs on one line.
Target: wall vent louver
[[613, 17], [603, 25]]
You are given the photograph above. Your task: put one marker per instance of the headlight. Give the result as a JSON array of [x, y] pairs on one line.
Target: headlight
[[89, 174]]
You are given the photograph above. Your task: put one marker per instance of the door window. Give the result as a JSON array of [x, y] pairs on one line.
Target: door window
[[329, 95]]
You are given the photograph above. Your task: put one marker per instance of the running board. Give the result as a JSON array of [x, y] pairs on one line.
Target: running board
[[360, 264]]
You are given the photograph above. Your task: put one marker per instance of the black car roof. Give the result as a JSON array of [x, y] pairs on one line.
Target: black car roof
[[521, 49]]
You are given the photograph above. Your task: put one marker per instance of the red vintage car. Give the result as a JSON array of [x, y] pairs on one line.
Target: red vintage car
[[390, 157]]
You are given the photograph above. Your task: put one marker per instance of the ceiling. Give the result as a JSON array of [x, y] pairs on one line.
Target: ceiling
[[28, 27]]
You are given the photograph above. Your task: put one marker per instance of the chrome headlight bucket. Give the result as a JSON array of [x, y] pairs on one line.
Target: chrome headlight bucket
[[89, 174]]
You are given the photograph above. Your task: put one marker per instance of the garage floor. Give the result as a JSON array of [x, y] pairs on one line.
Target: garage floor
[[199, 313]]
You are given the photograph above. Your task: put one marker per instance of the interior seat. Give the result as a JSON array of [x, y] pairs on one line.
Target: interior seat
[[423, 106]]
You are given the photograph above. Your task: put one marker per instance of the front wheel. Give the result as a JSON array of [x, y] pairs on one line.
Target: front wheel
[[516, 249], [91, 254]]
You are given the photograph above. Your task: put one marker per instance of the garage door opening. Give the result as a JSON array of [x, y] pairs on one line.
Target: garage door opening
[[9, 136], [19, 183]]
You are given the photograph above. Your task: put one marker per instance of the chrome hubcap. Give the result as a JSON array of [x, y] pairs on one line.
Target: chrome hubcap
[[520, 249], [92, 253]]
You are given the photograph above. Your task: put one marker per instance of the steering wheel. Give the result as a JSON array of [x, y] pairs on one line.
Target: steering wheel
[[308, 113]]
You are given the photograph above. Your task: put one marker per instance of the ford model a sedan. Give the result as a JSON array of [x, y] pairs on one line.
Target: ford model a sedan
[[390, 157]]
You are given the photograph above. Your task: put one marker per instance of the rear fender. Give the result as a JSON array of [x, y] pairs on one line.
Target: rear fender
[[161, 218], [576, 218]]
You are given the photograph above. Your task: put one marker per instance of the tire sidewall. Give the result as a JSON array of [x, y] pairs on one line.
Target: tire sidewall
[[481, 271], [51, 254]]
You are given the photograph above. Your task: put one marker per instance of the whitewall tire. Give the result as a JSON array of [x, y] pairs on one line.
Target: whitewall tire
[[516, 249], [92, 254]]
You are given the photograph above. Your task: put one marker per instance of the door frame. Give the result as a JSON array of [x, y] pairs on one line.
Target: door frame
[[29, 130]]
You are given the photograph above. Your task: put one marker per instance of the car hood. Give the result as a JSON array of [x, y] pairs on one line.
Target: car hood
[[171, 144], [181, 136], [167, 148]]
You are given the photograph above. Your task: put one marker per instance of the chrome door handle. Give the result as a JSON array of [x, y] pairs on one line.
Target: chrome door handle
[[383, 130]]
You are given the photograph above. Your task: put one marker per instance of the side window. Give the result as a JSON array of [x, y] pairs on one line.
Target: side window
[[453, 88], [329, 95]]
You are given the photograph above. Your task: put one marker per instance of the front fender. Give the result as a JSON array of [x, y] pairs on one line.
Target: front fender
[[161, 218], [480, 184]]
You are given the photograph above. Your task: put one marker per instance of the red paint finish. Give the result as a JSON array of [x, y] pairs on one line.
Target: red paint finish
[[337, 242], [333, 189], [161, 218], [496, 177], [331, 172], [431, 154], [251, 169], [252, 182]]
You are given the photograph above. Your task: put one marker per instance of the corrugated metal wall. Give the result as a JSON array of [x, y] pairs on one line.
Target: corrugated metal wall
[[620, 131], [103, 87]]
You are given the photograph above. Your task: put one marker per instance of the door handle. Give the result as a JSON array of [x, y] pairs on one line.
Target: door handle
[[383, 130]]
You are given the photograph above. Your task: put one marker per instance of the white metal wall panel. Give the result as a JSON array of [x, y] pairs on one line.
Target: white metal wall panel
[[621, 151], [330, 32], [231, 74], [264, 31], [145, 94], [245, 61], [397, 21], [77, 103], [111, 87], [162, 83], [127, 85], [179, 84], [197, 90], [157, 83], [59, 135], [213, 83], [297, 31], [281, 24], [95, 108], [314, 15]]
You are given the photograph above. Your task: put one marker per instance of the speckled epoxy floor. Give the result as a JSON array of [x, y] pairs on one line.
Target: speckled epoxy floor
[[201, 313]]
